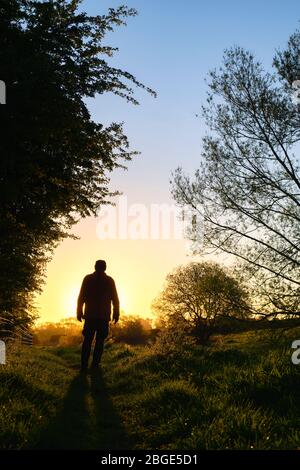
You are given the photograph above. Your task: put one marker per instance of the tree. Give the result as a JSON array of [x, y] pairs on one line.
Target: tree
[[55, 160], [197, 295], [247, 189]]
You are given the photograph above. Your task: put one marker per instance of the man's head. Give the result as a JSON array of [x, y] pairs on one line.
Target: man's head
[[100, 266]]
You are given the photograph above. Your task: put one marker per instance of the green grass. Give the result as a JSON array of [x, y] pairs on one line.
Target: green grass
[[33, 384], [241, 392]]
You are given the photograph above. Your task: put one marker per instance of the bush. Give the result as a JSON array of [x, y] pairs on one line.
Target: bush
[[132, 330], [172, 340], [67, 332]]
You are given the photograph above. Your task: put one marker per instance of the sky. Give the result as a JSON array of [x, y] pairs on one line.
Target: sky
[[170, 46]]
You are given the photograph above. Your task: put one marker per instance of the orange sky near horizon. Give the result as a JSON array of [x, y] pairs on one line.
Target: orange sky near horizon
[[139, 268]]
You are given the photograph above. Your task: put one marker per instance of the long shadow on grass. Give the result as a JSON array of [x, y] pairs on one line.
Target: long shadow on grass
[[87, 419]]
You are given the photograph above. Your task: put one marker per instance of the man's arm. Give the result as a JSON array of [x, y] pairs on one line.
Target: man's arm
[[81, 300], [115, 302]]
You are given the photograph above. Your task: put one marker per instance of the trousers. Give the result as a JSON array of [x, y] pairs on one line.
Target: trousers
[[91, 328]]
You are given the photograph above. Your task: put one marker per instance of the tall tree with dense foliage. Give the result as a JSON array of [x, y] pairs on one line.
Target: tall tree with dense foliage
[[247, 189], [55, 159]]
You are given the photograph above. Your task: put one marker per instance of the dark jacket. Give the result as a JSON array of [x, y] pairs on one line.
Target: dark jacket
[[97, 293]]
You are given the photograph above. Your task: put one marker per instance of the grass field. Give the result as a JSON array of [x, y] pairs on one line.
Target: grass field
[[241, 392]]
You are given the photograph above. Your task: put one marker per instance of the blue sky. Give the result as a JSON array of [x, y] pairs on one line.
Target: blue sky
[[170, 46]]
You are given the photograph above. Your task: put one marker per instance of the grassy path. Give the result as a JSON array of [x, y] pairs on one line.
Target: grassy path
[[61, 408], [239, 393], [87, 419]]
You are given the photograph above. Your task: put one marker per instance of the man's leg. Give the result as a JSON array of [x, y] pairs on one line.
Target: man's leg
[[88, 334], [102, 333]]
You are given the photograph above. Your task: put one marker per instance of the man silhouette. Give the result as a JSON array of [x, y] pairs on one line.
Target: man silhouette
[[97, 293]]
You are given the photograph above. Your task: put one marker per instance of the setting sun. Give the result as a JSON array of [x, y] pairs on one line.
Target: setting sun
[[71, 302]]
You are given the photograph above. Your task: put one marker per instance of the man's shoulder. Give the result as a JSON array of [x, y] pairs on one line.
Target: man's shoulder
[[110, 279], [88, 277]]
